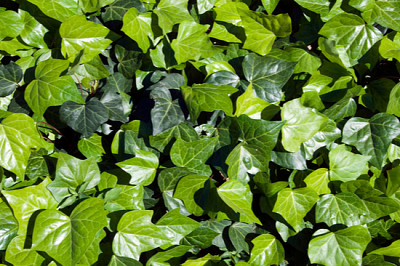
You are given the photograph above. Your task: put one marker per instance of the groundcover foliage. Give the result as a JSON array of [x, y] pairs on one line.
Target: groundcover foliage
[[209, 132]]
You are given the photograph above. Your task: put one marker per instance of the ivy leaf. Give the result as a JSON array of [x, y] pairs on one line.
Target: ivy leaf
[[237, 235], [142, 167], [393, 250], [71, 240], [239, 197], [118, 9], [33, 32], [8, 225], [72, 173], [186, 189], [18, 136], [385, 13], [18, 255], [207, 97], [176, 226], [24, 202], [129, 198], [138, 27], [345, 165], [201, 237], [171, 12], [258, 38], [49, 89], [114, 104], [79, 34], [160, 258], [118, 83], [193, 154], [10, 75], [137, 234], [166, 112], [267, 250], [91, 147], [294, 204], [343, 247], [377, 133], [270, 5], [352, 38], [11, 24], [59, 10], [84, 118], [192, 42], [318, 181], [301, 124], [268, 75]]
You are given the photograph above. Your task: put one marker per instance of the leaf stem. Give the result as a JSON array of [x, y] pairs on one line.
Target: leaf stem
[[80, 85], [58, 131]]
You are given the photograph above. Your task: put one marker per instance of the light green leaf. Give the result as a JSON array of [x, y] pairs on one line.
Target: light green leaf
[[193, 154], [84, 118], [239, 197], [123, 261], [376, 134], [393, 250], [79, 34], [258, 38], [24, 202], [11, 24], [60, 10], [244, 160], [267, 250], [318, 181], [20, 256], [18, 136], [161, 258], [90, 6], [385, 13], [203, 261], [176, 226], [130, 198], [142, 167], [137, 234], [138, 28], [182, 131], [192, 42], [33, 32], [186, 189], [270, 5], [342, 208], [92, 70], [343, 247], [294, 204], [73, 174], [268, 75], [49, 89], [171, 12], [201, 237], [320, 6], [204, 6], [345, 165], [91, 147], [352, 37], [71, 240], [219, 32], [393, 106], [301, 124], [306, 61], [249, 104], [208, 97]]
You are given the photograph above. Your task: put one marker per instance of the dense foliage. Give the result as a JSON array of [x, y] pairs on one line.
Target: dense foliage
[[209, 132]]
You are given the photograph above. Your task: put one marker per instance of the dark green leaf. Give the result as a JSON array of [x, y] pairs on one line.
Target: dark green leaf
[[10, 75]]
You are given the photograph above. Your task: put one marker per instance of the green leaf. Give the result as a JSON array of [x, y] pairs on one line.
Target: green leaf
[[92, 70], [93, 5], [182, 131], [352, 37], [192, 42], [171, 12], [10, 75], [79, 34], [115, 106], [220, 32], [137, 234], [203, 261], [318, 181], [294, 204], [301, 124], [186, 189], [91, 147], [49, 89], [33, 32], [343, 247], [138, 28], [376, 133], [176, 226], [24, 202], [142, 167], [268, 75], [258, 38], [249, 104], [201, 237], [18, 137], [20, 256], [307, 62], [244, 160], [239, 197], [166, 112], [129, 198], [345, 165], [290, 160], [59, 10], [393, 106], [71, 240], [342, 208], [320, 6], [123, 261], [270, 5], [193, 154], [208, 97], [385, 13], [73, 174], [118, 83], [393, 250], [237, 235], [11, 24], [161, 258], [8, 225], [118, 9], [267, 250], [84, 118]]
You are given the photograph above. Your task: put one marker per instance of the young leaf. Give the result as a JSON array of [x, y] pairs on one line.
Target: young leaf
[[186, 189], [71, 240], [60, 10], [343, 247], [267, 250], [91, 147], [171, 12], [138, 27], [84, 118]]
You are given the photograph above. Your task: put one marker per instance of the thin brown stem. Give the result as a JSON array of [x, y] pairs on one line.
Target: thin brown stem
[[58, 131], [47, 139], [80, 85]]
